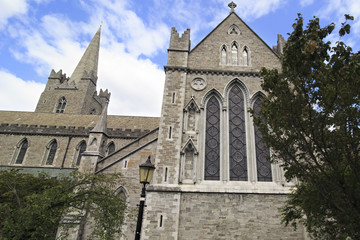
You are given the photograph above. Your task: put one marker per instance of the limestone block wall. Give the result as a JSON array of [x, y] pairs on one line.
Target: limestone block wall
[[170, 129], [161, 217], [206, 55], [35, 154], [49, 99], [233, 216], [192, 216]]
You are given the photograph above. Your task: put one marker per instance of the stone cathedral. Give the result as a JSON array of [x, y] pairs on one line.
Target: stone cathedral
[[212, 178]]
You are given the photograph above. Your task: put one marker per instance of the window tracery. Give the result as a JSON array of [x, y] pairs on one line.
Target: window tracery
[[234, 30], [237, 136], [212, 140], [262, 152], [61, 105]]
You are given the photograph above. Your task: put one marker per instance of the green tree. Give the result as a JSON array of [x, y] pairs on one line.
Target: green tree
[[31, 207], [310, 120]]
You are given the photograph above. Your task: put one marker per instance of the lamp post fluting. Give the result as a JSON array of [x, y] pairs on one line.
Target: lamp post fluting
[[146, 173]]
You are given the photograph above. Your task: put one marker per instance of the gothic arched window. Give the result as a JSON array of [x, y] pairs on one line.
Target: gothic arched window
[[262, 152], [110, 149], [212, 141], [50, 152], [245, 57], [20, 151], [237, 136], [234, 54], [79, 151], [61, 105], [223, 55]]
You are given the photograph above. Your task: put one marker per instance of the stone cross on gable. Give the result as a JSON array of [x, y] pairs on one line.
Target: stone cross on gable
[[232, 5]]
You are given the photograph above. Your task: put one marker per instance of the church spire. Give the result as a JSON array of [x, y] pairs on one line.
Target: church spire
[[88, 65]]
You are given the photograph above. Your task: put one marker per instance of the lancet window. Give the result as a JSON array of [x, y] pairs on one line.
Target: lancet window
[[237, 136], [110, 149], [212, 140], [245, 56], [50, 152], [20, 152], [223, 55], [234, 54], [262, 152], [80, 150]]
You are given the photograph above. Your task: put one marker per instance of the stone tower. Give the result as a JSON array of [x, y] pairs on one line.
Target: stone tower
[[77, 94], [212, 179]]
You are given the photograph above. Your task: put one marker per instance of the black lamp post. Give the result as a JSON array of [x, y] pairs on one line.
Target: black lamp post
[[146, 173]]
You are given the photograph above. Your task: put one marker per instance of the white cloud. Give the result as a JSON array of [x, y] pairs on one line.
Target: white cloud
[[50, 42], [335, 10], [10, 8], [251, 10], [305, 3], [17, 94], [136, 85]]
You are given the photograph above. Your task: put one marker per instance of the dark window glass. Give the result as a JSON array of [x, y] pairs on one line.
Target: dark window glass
[[111, 148], [246, 57], [223, 55], [61, 105], [262, 152], [237, 136], [51, 153], [212, 141], [81, 149], [21, 152]]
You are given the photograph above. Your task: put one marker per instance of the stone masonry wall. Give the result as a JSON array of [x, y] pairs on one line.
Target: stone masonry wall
[[233, 216]]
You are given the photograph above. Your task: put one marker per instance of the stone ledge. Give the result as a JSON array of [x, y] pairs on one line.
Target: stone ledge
[[212, 72]]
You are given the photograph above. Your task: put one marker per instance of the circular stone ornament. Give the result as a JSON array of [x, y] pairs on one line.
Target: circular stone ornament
[[198, 84]]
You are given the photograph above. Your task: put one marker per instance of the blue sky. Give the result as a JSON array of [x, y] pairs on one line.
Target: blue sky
[[39, 35]]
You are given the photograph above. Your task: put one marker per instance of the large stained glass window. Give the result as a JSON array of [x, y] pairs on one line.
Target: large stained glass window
[[262, 152], [237, 136], [212, 141]]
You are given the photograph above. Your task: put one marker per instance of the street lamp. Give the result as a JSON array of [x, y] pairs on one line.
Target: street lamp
[[146, 173]]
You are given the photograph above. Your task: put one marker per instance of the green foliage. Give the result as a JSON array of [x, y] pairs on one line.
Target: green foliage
[[32, 207], [310, 120]]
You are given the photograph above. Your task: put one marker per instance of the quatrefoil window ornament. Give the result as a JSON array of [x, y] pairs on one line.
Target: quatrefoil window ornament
[[198, 84]]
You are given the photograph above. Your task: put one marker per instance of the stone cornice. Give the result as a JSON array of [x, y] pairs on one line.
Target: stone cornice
[[211, 72], [178, 50]]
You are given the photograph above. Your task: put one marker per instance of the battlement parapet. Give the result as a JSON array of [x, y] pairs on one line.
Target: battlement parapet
[[25, 129], [60, 81], [180, 43]]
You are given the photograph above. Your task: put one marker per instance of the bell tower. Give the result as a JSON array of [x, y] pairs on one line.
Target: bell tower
[[76, 94]]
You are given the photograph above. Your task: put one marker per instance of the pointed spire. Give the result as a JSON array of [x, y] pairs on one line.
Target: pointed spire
[[88, 65], [101, 125]]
